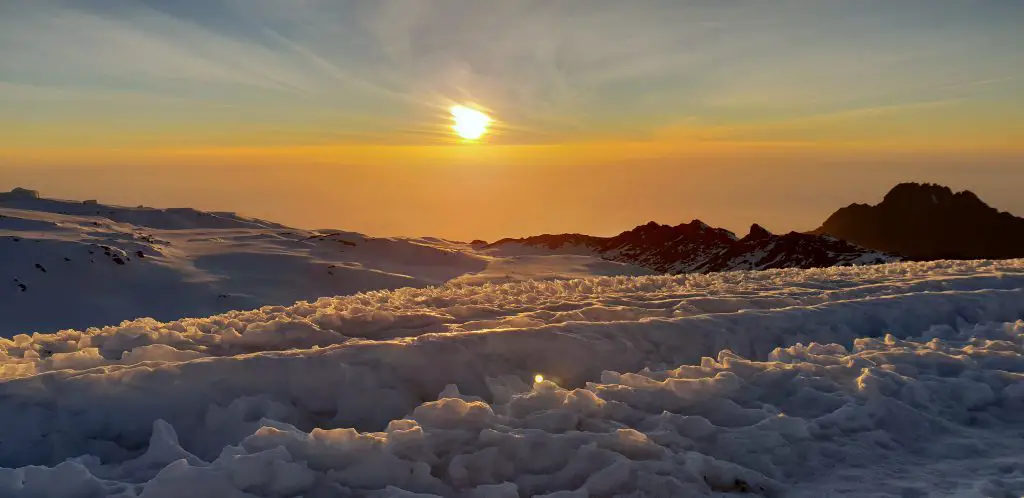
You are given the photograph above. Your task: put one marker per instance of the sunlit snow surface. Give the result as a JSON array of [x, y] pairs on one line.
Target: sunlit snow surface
[[104, 264], [894, 380]]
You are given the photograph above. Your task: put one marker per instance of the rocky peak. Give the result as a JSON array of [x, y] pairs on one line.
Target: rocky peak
[[697, 247], [929, 196], [757, 232], [928, 221], [19, 193]]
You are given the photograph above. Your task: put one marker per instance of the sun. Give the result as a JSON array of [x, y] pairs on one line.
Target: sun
[[470, 124]]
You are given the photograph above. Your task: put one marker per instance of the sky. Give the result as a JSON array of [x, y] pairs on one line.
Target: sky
[[607, 113]]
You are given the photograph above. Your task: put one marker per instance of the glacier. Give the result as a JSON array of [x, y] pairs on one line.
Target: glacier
[[903, 379]]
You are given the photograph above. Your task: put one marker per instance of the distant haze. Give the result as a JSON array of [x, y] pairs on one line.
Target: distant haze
[[466, 201], [606, 113]]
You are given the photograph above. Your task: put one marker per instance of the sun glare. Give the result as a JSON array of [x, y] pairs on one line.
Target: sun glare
[[470, 124], [538, 378]]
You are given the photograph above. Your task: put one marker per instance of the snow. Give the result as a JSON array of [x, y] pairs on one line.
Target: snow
[[104, 264], [696, 247], [550, 266], [902, 379]]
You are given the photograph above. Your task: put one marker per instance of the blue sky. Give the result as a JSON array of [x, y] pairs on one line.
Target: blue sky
[[607, 112], [309, 72]]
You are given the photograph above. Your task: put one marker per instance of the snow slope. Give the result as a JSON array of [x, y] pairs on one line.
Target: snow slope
[[903, 380], [68, 264]]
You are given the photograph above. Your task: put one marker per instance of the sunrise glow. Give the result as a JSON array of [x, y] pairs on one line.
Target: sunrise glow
[[354, 228], [470, 124]]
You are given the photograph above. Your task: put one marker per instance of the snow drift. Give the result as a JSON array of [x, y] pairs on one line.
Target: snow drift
[[902, 379]]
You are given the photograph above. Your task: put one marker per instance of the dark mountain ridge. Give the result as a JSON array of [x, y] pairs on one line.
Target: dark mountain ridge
[[698, 247], [926, 221]]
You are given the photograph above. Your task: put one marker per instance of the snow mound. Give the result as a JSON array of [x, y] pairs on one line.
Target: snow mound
[[901, 380]]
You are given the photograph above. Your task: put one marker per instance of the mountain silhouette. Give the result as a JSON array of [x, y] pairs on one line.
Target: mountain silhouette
[[927, 222], [696, 247]]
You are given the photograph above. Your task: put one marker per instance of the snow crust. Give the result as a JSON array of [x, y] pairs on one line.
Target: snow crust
[[104, 264], [893, 380]]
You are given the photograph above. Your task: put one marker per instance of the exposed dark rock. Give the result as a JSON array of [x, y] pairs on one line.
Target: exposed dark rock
[[757, 232], [927, 221], [18, 193], [698, 247]]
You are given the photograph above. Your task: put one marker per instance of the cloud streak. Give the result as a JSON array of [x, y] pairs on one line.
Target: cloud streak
[[550, 71]]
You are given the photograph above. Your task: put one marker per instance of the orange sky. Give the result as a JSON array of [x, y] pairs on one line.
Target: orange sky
[[481, 192], [606, 113]]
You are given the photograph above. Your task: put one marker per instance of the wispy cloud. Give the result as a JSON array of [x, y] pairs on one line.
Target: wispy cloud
[[549, 71]]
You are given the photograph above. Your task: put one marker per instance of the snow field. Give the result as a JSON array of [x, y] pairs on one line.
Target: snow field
[[897, 380]]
